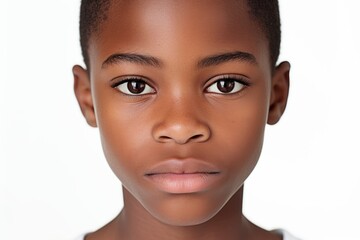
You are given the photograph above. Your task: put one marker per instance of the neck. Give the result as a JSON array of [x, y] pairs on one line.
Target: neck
[[134, 222]]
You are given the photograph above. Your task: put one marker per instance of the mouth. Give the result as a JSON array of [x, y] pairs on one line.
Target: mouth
[[183, 176]]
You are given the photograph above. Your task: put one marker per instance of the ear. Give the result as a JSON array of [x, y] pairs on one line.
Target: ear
[[279, 92], [82, 89]]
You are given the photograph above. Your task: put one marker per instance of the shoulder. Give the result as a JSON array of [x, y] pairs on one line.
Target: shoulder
[[286, 235]]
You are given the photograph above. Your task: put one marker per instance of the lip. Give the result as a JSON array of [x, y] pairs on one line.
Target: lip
[[183, 176]]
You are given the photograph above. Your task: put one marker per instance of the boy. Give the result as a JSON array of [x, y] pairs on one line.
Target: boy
[[181, 91]]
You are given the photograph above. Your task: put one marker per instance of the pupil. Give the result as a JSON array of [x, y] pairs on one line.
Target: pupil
[[226, 86], [136, 87]]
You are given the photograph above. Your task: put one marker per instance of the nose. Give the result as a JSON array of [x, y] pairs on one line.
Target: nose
[[181, 125]]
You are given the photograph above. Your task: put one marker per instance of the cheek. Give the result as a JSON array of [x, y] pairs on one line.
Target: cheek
[[239, 138], [245, 150], [122, 136]]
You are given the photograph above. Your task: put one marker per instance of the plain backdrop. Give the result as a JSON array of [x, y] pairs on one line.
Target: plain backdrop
[[55, 183]]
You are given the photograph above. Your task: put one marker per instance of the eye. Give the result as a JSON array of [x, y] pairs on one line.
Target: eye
[[227, 85], [134, 86]]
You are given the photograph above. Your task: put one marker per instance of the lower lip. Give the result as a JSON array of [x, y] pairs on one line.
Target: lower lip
[[183, 183]]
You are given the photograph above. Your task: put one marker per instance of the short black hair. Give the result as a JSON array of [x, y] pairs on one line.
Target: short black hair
[[265, 12]]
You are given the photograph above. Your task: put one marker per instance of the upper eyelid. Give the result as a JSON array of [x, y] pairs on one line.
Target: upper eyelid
[[240, 78], [122, 79]]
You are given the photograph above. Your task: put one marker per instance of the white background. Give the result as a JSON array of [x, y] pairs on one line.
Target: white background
[[54, 180]]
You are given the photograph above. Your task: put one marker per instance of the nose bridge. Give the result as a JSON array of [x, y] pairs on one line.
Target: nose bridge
[[182, 121], [184, 108]]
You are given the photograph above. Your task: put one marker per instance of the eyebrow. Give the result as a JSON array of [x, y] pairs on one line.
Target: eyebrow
[[132, 58], [227, 57], [154, 62]]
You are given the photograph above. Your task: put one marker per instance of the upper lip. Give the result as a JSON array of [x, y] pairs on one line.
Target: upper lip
[[182, 166]]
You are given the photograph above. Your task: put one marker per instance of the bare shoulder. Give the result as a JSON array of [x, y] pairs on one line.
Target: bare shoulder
[[260, 233], [108, 232]]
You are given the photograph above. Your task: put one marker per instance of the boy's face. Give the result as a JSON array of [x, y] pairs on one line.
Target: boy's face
[[181, 92]]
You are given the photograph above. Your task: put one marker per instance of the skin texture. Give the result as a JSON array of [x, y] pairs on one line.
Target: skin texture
[[183, 115]]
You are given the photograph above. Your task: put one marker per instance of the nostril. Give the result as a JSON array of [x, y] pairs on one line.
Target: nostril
[[181, 133], [196, 137], [181, 140], [165, 138]]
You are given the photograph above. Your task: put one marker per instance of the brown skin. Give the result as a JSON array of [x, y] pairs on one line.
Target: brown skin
[[182, 114]]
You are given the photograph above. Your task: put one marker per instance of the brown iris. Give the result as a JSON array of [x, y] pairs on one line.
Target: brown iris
[[226, 86], [136, 87]]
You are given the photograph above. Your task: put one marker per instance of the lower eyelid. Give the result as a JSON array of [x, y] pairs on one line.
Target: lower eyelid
[[126, 92], [241, 80]]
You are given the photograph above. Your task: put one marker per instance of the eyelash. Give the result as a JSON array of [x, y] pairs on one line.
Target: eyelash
[[132, 79], [150, 90], [237, 79]]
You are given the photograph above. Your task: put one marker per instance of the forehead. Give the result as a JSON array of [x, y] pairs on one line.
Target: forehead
[[178, 29]]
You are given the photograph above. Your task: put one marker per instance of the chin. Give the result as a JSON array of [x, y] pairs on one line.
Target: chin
[[186, 210]]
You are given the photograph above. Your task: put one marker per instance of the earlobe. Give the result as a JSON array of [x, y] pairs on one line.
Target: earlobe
[[279, 92], [82, 89]]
